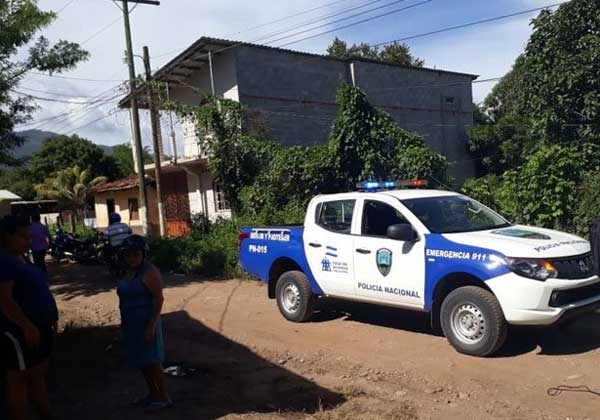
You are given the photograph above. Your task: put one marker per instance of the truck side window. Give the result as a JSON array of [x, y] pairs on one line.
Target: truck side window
[[336, 216], [378, 216]]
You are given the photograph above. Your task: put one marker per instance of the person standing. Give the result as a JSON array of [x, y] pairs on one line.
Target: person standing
[[140, 302], [40, 241], [28, 317]]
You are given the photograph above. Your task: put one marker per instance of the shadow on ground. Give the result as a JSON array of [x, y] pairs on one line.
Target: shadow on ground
[[75, 280], [90, 381], [579, 336]]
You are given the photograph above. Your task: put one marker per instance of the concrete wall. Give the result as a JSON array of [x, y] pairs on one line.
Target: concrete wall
[[289, 96], [202, 194], [226, 86], [437, 105], [121, 198]]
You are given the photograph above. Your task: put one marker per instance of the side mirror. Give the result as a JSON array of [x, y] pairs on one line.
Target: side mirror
[[402, 232]]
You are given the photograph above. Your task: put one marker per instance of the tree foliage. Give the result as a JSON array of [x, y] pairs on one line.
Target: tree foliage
[[366, 143], [559, 83], [395, 53], [70, 186], [20, 21], [19, 181], [272, 183], [123, 157], [62, 152]]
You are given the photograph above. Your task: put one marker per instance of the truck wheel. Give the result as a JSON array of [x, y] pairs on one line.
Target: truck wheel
[[473, 322], [295, 298]]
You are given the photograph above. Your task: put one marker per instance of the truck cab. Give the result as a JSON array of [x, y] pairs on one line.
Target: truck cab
[[427, 250]]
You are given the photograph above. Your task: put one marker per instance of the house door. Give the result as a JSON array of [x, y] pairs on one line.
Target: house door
[[177, 203]]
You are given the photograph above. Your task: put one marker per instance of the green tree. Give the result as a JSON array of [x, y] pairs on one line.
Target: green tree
[[366, 143], [559, 86], [123, 156], [20, 52], [62, 152], [19, 181], [70, 186], [394, 53]]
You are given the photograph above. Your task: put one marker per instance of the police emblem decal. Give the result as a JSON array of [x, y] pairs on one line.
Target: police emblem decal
[[384, 261]]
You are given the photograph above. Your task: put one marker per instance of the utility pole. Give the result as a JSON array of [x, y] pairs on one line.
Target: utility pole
[[135, 114], [155, 122]]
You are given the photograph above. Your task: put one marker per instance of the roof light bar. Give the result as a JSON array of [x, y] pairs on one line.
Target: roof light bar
[[390, 185]]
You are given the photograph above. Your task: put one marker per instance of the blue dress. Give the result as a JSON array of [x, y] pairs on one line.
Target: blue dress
[[137, 305]]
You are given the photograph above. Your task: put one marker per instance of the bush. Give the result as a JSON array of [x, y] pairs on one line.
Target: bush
[[210, 251], [588, 206]]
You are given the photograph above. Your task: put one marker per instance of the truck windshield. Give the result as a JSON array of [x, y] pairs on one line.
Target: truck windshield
[[453, 214]]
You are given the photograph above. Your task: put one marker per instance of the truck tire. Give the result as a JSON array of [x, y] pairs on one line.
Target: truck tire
[[473, 322], [294, 296]]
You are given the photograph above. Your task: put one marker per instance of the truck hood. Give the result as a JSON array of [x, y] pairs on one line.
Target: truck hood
[[524, 242]]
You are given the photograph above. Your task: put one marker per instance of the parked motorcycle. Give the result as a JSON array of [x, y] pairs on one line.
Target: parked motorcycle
[[70, 247], [109, 256]]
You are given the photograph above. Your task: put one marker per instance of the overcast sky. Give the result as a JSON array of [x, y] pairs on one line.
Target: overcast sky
[[487, 50]]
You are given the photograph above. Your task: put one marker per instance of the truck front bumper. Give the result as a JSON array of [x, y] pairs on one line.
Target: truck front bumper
[[531, 302]]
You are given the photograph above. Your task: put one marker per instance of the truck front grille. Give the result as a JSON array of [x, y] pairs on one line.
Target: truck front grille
[[560, 298], [574, 268]]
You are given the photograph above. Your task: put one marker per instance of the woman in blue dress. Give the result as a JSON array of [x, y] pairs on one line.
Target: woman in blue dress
[[140, 301]]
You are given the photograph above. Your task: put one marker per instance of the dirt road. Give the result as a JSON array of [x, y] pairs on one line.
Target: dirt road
[[353, 362]]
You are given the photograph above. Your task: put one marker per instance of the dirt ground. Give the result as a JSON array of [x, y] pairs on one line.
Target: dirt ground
[[244, 361]]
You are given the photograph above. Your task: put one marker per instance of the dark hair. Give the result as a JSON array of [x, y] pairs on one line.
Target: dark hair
[[36, 217], [9, 225]]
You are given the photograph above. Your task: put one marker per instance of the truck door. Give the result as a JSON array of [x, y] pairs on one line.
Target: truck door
[[328, 246], [387, 269]]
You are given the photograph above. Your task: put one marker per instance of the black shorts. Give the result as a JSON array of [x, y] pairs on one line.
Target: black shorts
[[16, 355]]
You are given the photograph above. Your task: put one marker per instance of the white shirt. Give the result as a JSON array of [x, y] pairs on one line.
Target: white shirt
[[117, 233]]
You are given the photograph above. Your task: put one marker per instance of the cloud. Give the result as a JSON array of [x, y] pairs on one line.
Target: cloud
[[488, 50]]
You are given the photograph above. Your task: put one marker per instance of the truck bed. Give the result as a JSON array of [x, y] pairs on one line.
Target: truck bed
[[262, 246]]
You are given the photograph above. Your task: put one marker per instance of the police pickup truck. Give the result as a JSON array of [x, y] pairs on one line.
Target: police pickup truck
[[436, 251]]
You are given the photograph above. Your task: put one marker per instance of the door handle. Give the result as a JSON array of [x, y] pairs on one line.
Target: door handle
[[363, 251], [315, 245]]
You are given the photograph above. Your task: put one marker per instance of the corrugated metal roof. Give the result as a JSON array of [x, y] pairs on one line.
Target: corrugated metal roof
[[188, 61], [120, 184], [6, 195]]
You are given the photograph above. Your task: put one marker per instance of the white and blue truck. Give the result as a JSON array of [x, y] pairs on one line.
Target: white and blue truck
[[428, 250]]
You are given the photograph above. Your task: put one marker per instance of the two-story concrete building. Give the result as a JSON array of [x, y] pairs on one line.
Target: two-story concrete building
[[289, 96]]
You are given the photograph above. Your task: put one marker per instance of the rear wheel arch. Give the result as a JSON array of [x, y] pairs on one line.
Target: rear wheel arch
[[447, 285], [280, 266]]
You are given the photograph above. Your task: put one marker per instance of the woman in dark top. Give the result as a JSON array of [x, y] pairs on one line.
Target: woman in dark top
[[140, 301], [28, 317]]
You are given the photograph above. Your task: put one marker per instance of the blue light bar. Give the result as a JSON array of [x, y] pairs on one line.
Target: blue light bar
[[390, 185], [376, 185]]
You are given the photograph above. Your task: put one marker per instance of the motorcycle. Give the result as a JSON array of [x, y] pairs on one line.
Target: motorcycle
[[109, 256], [73, 248]]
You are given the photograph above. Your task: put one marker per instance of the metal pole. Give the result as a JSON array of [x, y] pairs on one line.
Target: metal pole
[[136, 122], [212, 79], [155, 122]]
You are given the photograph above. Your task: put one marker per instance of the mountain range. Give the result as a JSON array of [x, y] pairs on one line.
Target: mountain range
[[34, 140]]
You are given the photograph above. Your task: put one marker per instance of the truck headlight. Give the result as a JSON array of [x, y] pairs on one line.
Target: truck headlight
[[536, 269]]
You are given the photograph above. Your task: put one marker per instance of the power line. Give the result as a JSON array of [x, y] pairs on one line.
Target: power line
[[319, 19], [466, 25], [41, 98], [262, 25], [357, 23], [48, 92], [110, 113], [75, 78], [102, 29], [338, 20], [65, 6]]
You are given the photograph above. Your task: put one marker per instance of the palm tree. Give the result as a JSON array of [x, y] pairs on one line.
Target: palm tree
[[70, 186]]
